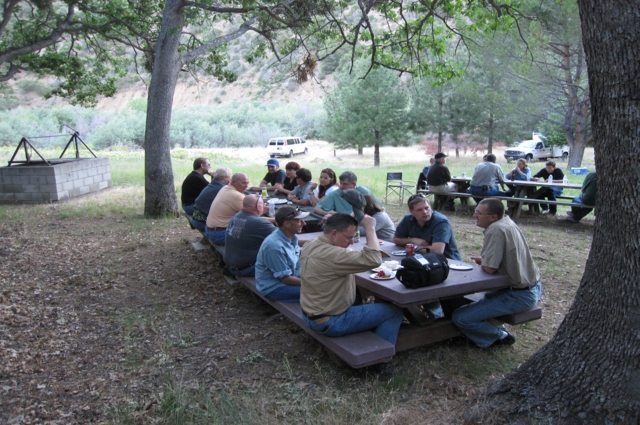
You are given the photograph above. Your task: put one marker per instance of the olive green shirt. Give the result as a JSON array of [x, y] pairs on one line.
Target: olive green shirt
[[505, 248], [328, 286]]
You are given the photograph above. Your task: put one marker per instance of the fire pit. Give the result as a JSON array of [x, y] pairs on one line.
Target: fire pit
[[48, 180]]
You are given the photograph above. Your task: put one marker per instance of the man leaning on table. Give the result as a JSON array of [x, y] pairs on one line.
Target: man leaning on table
[[425, 228], [328, 289], [334, 201], [504, 251]]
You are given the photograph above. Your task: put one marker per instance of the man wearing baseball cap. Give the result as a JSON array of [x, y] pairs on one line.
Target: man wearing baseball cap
[[439, 179], [274, 178], [278, 262]]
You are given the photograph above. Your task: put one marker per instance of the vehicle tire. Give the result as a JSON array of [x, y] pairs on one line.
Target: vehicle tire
[[306, 151], [290, 154], [528, 157], [565, 156]]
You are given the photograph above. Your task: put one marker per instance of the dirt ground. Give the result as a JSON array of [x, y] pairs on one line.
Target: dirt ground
[[98, 313]]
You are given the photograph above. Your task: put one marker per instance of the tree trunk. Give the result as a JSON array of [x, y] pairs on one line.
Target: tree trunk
[[160, 195], [491, 129], [439, 141], [360, 151], [589, 372], [376, 150]]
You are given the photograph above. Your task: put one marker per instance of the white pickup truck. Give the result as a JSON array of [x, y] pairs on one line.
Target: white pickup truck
[[536, 148]]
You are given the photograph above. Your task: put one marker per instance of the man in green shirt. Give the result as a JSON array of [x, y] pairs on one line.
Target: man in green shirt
[[587, 197]]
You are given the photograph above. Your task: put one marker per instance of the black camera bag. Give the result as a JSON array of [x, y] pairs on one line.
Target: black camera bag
[[415, 274]]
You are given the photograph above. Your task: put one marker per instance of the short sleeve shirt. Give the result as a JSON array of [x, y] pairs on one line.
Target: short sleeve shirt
[[437, 229], [277, 177], [278, 258], [245, 234], [302, 192], [191, 187], [505, 248]]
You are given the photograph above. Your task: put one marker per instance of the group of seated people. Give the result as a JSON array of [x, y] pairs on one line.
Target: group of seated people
[[488, 180], [321, 276]]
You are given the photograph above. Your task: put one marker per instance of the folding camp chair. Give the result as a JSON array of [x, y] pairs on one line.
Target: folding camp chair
[[398, 187]]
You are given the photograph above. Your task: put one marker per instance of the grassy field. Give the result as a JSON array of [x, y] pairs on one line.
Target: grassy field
[[108, 317]]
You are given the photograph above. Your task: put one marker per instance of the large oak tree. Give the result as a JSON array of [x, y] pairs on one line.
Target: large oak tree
[[589, 373]]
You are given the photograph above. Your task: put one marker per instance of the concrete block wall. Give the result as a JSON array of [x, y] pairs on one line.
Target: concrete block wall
[[57, 182]]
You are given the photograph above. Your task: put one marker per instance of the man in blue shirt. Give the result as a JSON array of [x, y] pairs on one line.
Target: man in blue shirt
[[278, 262], [334, 201], [426, 228]]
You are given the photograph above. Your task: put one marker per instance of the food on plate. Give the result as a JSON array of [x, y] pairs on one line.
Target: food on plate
[[384, 273]]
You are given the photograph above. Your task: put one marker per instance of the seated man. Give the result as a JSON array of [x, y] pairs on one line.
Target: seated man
[[228, 202], [439, 179], [486, 177], [422, 178], [328, 291], [202, 204], [301, 195], [587, 197], [278, 261], [425, 228], [505, 251], [274, 178], [245, 233], [334, 201], [551, 193], [194, 184]]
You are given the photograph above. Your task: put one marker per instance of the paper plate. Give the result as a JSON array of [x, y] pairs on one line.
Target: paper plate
[[399, 253], [277, 201], [460, 266], [375, 276]]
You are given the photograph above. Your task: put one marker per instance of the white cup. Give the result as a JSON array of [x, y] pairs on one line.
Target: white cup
[[391, 264]]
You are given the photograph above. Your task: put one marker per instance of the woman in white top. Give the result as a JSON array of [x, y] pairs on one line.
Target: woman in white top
[[327, 184], [385, 229]]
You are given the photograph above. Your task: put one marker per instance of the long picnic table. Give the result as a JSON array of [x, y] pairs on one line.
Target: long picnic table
[[525, 192], [458, 285]]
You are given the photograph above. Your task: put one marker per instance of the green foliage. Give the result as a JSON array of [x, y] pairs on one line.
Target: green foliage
[[367, 112]]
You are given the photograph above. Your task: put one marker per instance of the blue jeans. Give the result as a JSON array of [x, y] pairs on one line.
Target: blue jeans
[[217, 237], [472, 319], [551, 194], [477, 190], [188, 209], [285, 293], [579, 213], [249, 271], [199, 225], [384, 318]]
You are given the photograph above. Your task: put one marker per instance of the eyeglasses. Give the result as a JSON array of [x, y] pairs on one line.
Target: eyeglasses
[[348, 238], [293, 215], [417, 196], [476, 212]]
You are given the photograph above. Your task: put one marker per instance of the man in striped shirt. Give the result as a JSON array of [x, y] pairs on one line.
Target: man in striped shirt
[[504, 251]]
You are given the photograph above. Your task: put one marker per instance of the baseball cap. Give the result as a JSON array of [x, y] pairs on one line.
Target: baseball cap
[[440, 155], [273, 163], [289, 213], [357, 201]]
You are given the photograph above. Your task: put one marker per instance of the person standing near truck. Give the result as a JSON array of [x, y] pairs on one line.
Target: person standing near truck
[[550, 193]]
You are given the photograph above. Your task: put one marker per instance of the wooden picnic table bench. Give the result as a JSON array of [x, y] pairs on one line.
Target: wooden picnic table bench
[[357, 350]]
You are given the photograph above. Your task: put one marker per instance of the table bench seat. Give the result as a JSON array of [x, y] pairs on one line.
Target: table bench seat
[[357, 350], [513, 319]]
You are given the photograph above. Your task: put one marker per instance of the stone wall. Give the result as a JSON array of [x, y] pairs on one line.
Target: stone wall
[[64, 179]]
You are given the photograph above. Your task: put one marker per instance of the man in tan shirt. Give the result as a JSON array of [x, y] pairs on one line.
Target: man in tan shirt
[[328, 288], [228, 202], [504, 251]]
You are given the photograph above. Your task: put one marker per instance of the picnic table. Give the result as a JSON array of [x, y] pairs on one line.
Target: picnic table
[[462, 285], [526, 192]]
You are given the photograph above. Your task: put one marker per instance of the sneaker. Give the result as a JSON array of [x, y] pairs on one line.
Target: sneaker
[[545, 211], [508, 340]]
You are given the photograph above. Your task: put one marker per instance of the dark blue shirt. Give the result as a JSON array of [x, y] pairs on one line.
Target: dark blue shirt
[[437, 229], [205, 199]]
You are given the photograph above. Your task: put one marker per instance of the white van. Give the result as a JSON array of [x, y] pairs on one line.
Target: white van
[[286, 146]]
